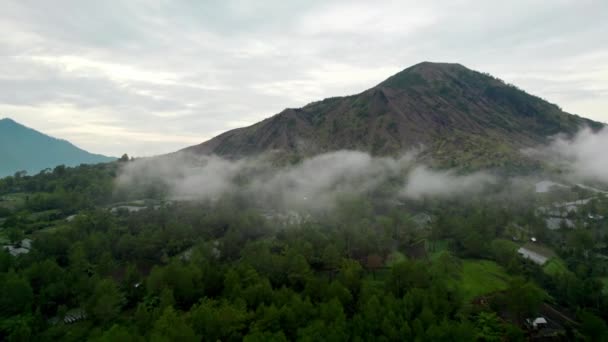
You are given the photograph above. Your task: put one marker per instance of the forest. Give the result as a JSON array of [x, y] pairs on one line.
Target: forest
[[84, 260]]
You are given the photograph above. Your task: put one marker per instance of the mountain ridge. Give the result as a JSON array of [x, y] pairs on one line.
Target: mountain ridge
[[458, 114], [25, 149]]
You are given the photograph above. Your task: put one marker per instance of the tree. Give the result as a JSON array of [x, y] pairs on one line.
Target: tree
[[581, 241], [350, 276], [523, 297], [20, 174], [106, 302], [16, 329], [119, 333], [593, 327], [265, 336], [298, 270], [331, 257], [16, 295], [15, 235], [5, 260], [502, 251], [172, 327], [144, 317], [489, 327], [131, 284], [215, 320], [473, 243], [184, 280], [337, 290], [331, 325], [406, 275]]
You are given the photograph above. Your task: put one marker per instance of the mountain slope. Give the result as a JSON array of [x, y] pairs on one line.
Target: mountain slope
[[22, 148], [461, 117]]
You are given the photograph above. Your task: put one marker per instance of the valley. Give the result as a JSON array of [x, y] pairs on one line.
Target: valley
[[485, 257]]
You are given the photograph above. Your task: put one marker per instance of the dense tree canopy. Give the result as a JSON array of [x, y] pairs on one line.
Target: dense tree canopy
[[223, 271]]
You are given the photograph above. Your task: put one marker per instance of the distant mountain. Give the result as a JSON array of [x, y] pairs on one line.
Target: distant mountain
[[462, 117], [22, 148]]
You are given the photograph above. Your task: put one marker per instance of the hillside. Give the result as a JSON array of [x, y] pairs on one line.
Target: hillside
[[461, 117], [22, 148]]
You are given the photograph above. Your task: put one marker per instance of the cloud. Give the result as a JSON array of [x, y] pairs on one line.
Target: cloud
[[187, 177], [317, 182], [313, 185], [363, 18], [583, 156], [424, 182]]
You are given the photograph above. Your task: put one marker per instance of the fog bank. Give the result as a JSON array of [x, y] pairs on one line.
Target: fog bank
[[312, 184], [584, 157]]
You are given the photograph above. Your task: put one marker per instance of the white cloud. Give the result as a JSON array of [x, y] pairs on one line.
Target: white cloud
[[315, 184], [424, 182], [83, 67], [365, 18], [584, 156]]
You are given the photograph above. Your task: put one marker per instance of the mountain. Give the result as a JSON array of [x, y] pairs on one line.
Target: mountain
[[461, 117], [22, 148]]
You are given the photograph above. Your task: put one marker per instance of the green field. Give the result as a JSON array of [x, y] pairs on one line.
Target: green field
[[480, 277], [43, 215], [436, 248], [514, 246], [52, 228], [394, 258], [555, 266]]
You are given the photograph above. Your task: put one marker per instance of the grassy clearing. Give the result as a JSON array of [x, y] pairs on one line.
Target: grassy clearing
[[52, 228], [513, 245], [395, 258], [554, 267], [437, 247], [480, 277]]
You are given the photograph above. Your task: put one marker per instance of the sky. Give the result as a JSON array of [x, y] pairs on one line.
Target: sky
[[146, 77]]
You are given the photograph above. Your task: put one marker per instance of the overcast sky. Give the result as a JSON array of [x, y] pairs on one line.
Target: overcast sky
[[148, 77]]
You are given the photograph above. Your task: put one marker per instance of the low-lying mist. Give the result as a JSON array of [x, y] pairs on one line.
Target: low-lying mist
[[312, 184], [318, 182], [424, 182], [583, 157]]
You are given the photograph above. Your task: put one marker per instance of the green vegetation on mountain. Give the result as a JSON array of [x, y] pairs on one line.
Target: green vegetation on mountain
[[459, 116]]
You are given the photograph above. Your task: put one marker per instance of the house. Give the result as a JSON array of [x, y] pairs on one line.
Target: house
[[129, 208], [14, 251], [537, 323], [74, 316], [23, 248], [532, 255]]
